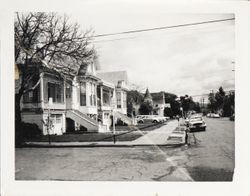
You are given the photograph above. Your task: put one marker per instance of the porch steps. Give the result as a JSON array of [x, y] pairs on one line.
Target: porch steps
[[83, 120], [123, 118]]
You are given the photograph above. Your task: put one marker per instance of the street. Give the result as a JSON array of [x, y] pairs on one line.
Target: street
[[210, 159]]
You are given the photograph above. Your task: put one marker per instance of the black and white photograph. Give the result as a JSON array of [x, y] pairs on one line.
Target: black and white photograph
[[135, 97], [124, 98]]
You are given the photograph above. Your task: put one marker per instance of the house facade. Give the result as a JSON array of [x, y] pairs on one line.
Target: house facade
[[157, 100], [119, 96], [158, 103], [87, 103]]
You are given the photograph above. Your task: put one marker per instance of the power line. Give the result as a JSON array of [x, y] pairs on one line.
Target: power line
[[162, 28], [110, 40]]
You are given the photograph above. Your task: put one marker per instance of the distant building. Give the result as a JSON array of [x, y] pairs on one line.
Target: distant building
[[157, 100], [120, 80], [148, 97], [158, 103]]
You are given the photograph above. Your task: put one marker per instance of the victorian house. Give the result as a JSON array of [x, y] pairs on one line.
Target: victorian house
[[89, 102]]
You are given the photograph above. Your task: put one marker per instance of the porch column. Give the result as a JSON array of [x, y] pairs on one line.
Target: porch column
[[110, 97], [101, 88], [74, 93], [121, 99], [64, 92], [88, 93], [42, 90], [96, 103], [114, 99]]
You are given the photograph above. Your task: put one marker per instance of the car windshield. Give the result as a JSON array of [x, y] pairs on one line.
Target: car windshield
[[196, 119]]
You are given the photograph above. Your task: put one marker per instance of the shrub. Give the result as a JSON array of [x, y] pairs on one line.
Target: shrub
[[26, 131], [146, 108]]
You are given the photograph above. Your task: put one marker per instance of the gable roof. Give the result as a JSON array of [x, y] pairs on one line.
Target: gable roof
[[158, 96], [114, 76], [147, 95]]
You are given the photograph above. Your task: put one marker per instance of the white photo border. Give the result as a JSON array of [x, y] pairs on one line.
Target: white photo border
[[240, 184]]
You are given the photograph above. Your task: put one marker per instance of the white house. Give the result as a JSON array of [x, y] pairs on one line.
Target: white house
[[87, 103], [158, 103]]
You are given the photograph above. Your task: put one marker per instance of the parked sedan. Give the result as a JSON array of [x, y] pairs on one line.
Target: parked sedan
[[139, 119], [157, 119], [216, 116], [213, 115], [197, 124], [150, 118]]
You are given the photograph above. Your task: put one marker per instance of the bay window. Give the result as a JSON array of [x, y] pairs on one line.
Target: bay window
[[83, 94], [55, 91]]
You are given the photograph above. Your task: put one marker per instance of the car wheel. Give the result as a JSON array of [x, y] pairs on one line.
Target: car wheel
[[154, 121]]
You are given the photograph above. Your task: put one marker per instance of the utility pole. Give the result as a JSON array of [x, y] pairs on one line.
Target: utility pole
[[114, 126], [113, 119]]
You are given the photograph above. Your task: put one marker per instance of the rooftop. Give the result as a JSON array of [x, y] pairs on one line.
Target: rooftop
[[158, 96]]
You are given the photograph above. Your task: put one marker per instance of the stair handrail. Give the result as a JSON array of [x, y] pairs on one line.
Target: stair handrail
[[84, 118], [123, 116]]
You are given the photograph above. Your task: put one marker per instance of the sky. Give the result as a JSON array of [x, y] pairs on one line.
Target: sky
[[186, 60]]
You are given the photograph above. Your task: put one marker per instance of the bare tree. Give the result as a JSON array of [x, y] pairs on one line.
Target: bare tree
[[51, 41]]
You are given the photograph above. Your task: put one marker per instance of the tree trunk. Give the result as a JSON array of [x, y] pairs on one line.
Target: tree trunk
[[18, 108], [18, 120]]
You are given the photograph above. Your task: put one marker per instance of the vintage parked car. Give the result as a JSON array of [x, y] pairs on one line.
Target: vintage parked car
[[213, 115], [150, 118], [216, 116], [161, 118], [196, 124], [140, 118], [192, 117]]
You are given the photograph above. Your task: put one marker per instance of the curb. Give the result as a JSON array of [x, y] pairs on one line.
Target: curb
[[96, 145]]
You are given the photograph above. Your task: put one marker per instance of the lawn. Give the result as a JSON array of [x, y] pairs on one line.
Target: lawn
[[148, 126], [123, 133]]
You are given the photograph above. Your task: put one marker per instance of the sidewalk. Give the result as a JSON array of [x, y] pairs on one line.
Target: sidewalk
[[166, 135], [158, 136]]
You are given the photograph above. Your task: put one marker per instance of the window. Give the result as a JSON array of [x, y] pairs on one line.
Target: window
[[55, 91], [58, 118], [68, 92], [83, 94], [106, 97], [118, 98], [124, 99], [106, 115], [32, 96]]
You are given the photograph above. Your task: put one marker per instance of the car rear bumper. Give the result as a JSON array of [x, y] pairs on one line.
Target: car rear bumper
[[197, 127]]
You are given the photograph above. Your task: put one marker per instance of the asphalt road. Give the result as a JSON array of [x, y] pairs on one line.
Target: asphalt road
[[211, 158]]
